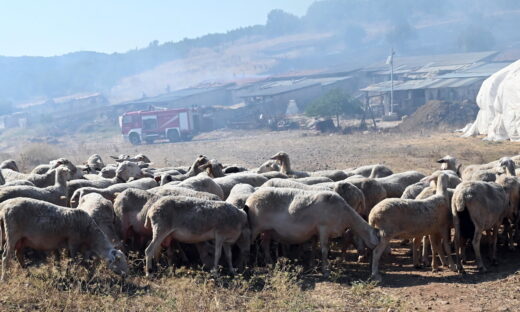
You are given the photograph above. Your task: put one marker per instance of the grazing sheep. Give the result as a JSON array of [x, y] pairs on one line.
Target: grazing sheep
[[477, 206], [131, 207], [201, 184], [102, 211], [294, 216], [407, 218], [53, 194], [110, 191], [73, 229], [9, 164], [193, 220], [285, 166], [227, 182]]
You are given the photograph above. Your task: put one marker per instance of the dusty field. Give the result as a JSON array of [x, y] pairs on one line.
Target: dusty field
[[288, 286]]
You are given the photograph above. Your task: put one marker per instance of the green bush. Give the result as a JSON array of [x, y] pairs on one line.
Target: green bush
[[334, 103]]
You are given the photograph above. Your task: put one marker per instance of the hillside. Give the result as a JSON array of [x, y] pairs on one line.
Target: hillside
[[333, 34]]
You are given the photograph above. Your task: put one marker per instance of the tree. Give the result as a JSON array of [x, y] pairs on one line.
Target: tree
[[334, 103], [280, 23]]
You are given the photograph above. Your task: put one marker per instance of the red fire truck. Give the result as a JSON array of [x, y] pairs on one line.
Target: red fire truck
[[147, 126]]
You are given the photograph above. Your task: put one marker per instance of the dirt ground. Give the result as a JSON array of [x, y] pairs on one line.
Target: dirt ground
[[404, 287]]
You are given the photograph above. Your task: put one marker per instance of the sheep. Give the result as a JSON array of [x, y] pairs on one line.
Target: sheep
[[313, 180], [137, 158], [350, 193], [483, 172], [285, 166], [53, 194], [125, 171], [477, 206], [227, 169], [407, 218], [213, 168], [193, 220], [202, 183], [294, 216], [396, 184], [21, 219], [102, 211], [95, 162], [110, 191], [39, 180], [9, 164], [131, 207], [334, 175], [373, 191], [108, 172], [450, 163], [377, 171], [41, 169], [511, 185], [239, 194], [226, 183], [411, 191]]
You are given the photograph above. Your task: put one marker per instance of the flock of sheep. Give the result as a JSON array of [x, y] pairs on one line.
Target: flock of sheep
[[195, 212]]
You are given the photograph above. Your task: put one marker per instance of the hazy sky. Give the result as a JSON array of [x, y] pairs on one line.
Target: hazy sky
[[54, 27]]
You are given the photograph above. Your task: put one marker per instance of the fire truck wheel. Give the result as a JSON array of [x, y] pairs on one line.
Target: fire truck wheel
[[134, 139], [173, 136]]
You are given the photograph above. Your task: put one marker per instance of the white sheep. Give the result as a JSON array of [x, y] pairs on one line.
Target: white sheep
[[408, 218], [43, 226], [193, 220], [294, 216]]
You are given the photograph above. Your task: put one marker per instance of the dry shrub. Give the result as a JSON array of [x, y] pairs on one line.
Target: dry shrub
[[35, 154]]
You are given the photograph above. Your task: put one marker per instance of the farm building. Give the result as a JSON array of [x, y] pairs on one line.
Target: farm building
[[417, 80]]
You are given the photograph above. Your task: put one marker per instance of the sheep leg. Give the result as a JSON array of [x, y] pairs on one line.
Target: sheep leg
[[6, 259], [266, 244], [425, 245], [324, 245], [436, 242], [447, 248], [18, 252], [476, 247], [229, 257], [458, 258], [153, 248], [415, 251], [219, 241], [376, 256], [494, 248]]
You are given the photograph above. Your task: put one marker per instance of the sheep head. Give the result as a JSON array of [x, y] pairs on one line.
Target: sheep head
[[448, 163], [506, 165], [117, 262]]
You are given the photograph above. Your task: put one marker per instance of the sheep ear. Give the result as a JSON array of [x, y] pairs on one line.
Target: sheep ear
[[114, 157], [157, 179], [458, 169], [442, 160]]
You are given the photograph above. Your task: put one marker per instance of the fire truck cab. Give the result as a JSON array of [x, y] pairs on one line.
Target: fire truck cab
[[147, 126]]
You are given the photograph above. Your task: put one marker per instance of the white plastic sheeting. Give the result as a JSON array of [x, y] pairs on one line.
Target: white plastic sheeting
[[499, 103]]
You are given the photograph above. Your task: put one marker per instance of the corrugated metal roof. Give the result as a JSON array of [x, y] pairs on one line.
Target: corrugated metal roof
[[424, 62], [477, 70], [171, 96], [278, 88], [422, 84]]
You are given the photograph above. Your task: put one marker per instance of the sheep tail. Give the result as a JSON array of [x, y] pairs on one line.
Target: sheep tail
[[459, 201]]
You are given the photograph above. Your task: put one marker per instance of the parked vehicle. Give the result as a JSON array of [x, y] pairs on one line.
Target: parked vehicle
[[147, 126]]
